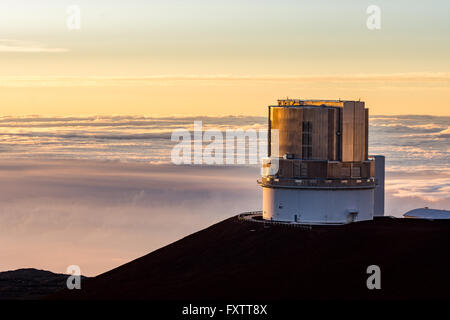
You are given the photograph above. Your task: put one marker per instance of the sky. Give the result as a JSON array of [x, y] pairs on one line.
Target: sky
[[221, 57]]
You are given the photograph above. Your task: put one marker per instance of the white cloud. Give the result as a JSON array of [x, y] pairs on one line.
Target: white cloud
[[439, 79], [9, 45], [59, 213]]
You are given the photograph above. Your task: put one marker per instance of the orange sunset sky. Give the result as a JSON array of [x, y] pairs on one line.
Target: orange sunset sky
[[221, 57]]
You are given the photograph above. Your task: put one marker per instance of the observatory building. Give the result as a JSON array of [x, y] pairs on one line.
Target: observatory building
[[318, 169]]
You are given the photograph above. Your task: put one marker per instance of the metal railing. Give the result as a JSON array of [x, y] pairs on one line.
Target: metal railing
[[319, 183], [250, 215]]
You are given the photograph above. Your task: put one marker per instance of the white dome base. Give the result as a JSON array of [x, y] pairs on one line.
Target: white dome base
[[318, 206]]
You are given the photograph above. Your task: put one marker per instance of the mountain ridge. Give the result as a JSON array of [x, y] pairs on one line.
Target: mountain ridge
[[236, 259]]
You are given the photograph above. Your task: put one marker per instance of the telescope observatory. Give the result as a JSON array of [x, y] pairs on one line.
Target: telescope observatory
[[318, 169]]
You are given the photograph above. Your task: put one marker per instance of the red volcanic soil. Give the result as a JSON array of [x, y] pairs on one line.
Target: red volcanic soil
[[237, 259]]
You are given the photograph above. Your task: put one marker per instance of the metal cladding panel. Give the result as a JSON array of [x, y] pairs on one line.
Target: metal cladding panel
[[308, 114], [339, 140], [348, 128], [344, 169], [336, 133], [317, 169], [324, 169], [359, 132], [365, 170], [269, 133], [372, 168], [332, 137], [354, 132], [319, 133], [379, 189], [297, 169], [333, 170], [289, 123], [286, 168], [366, 140], [328, 103]]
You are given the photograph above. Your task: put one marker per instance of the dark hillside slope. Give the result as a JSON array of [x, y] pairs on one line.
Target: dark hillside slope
[[30, 284], [237, 259]]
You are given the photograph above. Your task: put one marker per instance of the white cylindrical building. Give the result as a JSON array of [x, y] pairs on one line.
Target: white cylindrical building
[[379, 189], [318, 170], [318, 206]]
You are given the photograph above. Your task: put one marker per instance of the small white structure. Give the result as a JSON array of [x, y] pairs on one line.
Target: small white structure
[[379, 189], [318, 170], [427, 213]]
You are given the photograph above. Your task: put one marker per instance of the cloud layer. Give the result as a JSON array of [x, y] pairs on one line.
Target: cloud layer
[[100, 214], [388, 79], [19, 46]]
